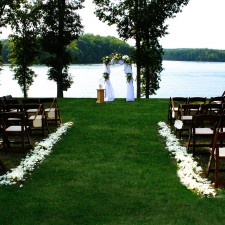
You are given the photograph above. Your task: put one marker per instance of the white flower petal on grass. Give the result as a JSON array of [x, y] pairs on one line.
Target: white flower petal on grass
[[188, 170], [34, 157]]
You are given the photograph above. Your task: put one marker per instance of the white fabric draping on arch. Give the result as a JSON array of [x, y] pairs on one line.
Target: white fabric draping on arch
[[130, 91], [107, 69], [109, 92], [130, 87], [128, 68]]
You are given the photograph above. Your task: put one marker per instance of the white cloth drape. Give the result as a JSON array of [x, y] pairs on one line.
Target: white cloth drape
[[130, 91], [128, 68], [107, 69], [109, 92]]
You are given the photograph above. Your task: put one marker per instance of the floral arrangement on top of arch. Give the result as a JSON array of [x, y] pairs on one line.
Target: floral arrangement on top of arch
[[118, 58]]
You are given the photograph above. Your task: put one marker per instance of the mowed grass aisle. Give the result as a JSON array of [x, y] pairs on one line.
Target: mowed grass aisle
[[111, 168]]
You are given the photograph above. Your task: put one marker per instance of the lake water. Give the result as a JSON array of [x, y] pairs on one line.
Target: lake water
[[177, 79]]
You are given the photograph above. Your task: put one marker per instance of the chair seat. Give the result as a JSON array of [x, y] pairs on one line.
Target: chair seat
[[221, 152], [203, 131], [186, 118], [14, 129], [50, 109], [37, 120], [32, 110]]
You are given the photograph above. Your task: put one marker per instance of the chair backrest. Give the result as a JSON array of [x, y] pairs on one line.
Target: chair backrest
[[11, 101], [176, 101], [49, 102], [218, 99], [14, 107], [205, 120], [8, 97], [189, 109], [31, 101], [19, 116], [33, 109], [196, 100], [211, 108]]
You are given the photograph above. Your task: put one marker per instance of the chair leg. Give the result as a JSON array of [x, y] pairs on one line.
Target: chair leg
[[193, 146], [2, 166], [217, 172], [189, 141], [210, 163]]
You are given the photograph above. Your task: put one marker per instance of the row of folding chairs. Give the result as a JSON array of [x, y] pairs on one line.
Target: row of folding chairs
[[23, 119], [208, 131], [50, 105], [18, 122], [198, 120], [174, 103]]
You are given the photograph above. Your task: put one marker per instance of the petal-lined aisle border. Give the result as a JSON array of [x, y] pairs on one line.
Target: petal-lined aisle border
[[188, 170], [34, 157]]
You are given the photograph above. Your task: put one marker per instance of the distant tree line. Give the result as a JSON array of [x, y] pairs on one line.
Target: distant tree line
[[204, 55], [91, 48], [87, 49]]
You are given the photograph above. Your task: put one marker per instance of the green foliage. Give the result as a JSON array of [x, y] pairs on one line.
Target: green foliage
[[67, 79], [5, 51], [87, 49], [1, 60], [116, 57], [24, 76], [205, 55], [24, 46], [92, 48], [61, 25]]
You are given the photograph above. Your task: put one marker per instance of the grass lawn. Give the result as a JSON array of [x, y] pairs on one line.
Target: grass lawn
[[111, 168]]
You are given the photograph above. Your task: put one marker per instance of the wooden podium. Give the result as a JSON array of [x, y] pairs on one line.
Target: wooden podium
[[100, 95]]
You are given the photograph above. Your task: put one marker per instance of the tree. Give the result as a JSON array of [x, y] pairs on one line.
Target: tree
[[142, 20], [61, 25], [5, 7], [24, 46]]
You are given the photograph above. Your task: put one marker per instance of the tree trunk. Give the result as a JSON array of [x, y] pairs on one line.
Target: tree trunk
[[138, 47], [61, 5], [138, 69], [147, 77]]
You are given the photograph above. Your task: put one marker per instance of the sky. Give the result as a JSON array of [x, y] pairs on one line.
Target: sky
[[201, 24]]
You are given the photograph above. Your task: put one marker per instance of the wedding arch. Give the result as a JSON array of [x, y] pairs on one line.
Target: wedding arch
[[118, 58]]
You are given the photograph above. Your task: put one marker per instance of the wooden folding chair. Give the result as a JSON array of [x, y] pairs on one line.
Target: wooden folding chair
[[202, 131], [185, 114], [51, 109], [173, 107], [217, 155], [36, 118], [15, 129]]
